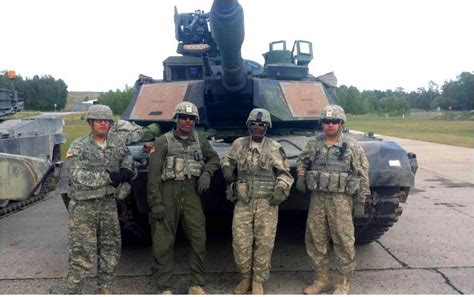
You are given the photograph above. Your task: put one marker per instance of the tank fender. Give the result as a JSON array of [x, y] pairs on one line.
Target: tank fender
[[20, 176], [389, 164]]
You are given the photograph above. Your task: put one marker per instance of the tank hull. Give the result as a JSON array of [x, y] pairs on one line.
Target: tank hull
[[225, 88], [29, 148]]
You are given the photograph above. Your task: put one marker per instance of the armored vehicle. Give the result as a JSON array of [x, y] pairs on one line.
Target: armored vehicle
[[211, 73], [10, 100], [29, 149]]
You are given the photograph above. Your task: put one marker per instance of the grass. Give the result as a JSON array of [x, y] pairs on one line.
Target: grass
[[75, 127], [423, 126], [419, 127]]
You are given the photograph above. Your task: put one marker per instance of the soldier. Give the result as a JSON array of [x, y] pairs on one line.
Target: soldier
[[262, 182], [180, 170], [97, 164], [334, 168]]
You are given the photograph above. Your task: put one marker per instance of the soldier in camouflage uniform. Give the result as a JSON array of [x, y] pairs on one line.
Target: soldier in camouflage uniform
[[180, 170], [97, 164], [262, 182], [334, 168]]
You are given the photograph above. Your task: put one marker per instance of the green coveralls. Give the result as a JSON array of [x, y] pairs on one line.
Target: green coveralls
[[181, 201]]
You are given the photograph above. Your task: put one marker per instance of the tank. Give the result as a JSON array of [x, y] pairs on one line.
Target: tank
[[211, 73], [29, 151]]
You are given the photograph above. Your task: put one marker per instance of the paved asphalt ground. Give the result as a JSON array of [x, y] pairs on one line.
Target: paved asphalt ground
[[430, 250]]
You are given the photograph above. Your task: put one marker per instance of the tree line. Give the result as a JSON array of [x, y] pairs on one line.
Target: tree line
[[117, 100], [455, 94], [38, 93], [42, 92]]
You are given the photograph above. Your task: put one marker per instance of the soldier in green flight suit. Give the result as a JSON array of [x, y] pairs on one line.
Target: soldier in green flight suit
[[180, 170], [335, 169]]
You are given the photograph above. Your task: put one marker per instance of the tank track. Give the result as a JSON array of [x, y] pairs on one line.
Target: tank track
[[381, 215], [15, 206]]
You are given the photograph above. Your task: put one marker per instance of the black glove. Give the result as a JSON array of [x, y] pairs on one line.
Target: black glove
[[115, 178], [278, 197], [125, 175], [204, 182], [228, 173], [301, 184], [157, 213]]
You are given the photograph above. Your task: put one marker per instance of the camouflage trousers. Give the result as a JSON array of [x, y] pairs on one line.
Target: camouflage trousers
[[94, 230], [253, 232], [330, 217]]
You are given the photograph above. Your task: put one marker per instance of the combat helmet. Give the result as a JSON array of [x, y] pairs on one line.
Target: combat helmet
[[187, 108], [259, 115], [333, 112], [99, 112]]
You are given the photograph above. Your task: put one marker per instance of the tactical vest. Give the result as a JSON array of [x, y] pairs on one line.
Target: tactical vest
[[331, 171], [182, 162], [97, 184], [258, 181]]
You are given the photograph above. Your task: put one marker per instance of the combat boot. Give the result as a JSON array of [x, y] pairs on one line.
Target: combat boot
[[321, 284], [243, 287], [342, 285], [257, 288], [196, 290], [104, 290]]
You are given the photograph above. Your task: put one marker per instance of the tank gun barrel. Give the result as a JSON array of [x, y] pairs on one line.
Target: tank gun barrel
[[227, 26]]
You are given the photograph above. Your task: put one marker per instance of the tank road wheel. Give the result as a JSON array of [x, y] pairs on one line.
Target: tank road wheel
[[382, 213]]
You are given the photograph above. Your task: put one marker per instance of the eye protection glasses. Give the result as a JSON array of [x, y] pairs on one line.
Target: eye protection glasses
[[186, 117], [102, 121], [331, 121], [259, 124]]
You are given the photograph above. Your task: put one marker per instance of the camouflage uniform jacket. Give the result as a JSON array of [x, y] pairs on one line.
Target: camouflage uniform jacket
[[155, 168], [354, 157], [263, 168], [128, 132], [88, 166]]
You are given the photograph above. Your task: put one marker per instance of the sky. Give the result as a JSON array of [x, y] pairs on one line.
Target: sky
[[101, 45]]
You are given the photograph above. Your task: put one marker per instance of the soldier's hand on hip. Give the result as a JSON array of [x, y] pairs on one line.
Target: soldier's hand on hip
[[157, 212], [278, 197], [301, 184], [114, 178], [228, 173], [204, 182], [125, 175]]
